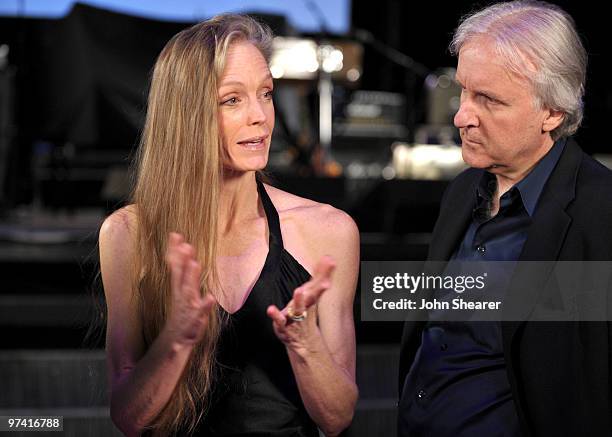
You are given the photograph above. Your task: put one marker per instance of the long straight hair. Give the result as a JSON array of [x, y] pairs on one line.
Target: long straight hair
[[178, 180]]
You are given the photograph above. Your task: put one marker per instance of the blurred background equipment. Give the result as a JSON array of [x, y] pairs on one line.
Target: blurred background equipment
[[427, 161], [365, 98], [442, 97], [367, 123], [296, 60]]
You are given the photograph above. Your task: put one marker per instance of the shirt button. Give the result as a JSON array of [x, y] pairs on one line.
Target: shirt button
[[421, 394], [481, 249], [443, 347]]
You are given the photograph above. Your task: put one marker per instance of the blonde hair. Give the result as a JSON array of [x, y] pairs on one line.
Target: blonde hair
[[179, 170]]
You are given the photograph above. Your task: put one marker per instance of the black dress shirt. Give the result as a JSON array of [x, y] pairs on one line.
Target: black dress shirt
[[458, 383]]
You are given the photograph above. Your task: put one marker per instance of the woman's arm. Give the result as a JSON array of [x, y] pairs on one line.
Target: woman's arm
[[142, 382], [323, 356]]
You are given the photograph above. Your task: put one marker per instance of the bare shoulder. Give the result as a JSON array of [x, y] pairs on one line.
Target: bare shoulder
[[120, 225], [310, 214], [319, 228], [116, 243]]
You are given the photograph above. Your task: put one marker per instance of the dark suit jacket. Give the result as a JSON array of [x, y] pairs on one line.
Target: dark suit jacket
[[559, 372]]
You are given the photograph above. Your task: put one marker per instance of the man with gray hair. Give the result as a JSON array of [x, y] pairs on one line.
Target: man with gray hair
[[531, 194]]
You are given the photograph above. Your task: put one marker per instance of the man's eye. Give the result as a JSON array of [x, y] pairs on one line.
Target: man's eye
[[268, 94], [489, 99]]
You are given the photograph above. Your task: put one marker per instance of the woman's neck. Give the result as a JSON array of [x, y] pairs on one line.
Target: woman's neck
[[238, 200]]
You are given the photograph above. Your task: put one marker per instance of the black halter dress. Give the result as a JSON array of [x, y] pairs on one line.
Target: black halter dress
[[255, 392]]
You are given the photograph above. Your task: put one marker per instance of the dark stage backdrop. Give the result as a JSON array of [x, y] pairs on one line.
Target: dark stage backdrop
[[423, 29], [84, 78]]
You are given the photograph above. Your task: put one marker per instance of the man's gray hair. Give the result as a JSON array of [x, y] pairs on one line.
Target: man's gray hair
[[530, 34]]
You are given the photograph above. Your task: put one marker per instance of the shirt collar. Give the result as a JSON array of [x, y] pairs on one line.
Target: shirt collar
[[532, 185]]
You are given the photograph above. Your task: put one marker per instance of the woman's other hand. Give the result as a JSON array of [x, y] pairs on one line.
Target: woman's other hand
[[189, 311]]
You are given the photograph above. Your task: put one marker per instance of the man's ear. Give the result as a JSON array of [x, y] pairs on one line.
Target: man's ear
[[552, 120]]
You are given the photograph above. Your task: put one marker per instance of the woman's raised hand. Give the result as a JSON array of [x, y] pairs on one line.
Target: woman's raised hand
[[189, 311], [293, 324]]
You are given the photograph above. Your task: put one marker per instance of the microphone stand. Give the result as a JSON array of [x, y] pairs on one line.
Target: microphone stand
[[325, 85]]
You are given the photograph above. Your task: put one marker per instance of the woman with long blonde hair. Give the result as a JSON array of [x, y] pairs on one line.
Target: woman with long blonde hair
[[224, 317]]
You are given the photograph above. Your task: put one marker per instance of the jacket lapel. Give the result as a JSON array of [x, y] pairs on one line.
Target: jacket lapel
[[550, 225], [544, 243]]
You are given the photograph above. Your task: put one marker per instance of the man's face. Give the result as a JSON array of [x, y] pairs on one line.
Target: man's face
[[501, 128]]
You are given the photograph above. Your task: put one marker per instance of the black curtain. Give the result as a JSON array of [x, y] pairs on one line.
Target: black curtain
[[83, 78]]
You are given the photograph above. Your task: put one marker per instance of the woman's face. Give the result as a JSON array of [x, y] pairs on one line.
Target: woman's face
[[246, 111]]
